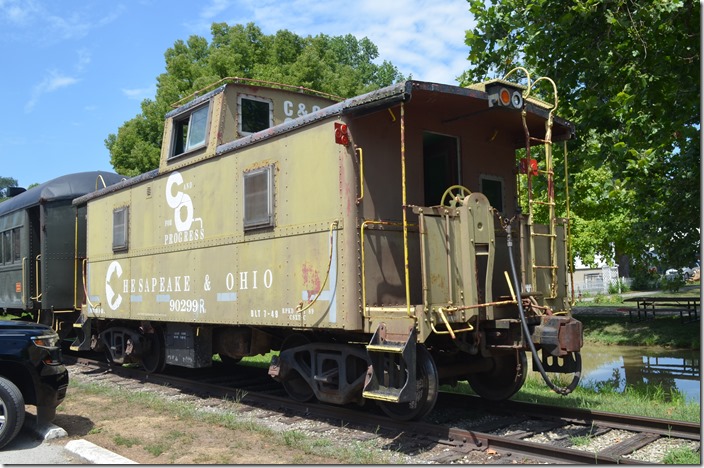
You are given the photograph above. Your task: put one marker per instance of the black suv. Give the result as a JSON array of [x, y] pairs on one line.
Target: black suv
[[31, 372]]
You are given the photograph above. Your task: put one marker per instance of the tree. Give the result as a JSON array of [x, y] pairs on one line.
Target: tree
[[339, 65], [628, 76], [6, 182]]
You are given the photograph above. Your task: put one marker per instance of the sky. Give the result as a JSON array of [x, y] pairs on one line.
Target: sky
[[73, 71]]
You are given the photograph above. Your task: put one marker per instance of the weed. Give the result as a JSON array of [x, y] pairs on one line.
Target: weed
[[126, 441], [580, 441], [682, 456], [157, 448], [292, 438]]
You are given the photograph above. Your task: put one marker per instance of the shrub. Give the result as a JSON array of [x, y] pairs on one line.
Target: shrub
[[672, 283]]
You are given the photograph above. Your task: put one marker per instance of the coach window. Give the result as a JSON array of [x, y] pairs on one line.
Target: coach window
[[190, 131], [254, 114], [493, 190], [120, 219], [258, 198], [6, 247], [16, 245]]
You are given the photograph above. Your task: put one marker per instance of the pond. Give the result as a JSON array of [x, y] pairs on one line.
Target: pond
[[637, 366]]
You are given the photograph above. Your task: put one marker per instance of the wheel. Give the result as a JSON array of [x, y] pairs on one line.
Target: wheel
[[11, 411], [229, 361], [296, 386], [505, 378], [154, 359], [454, 195], [426, 391]]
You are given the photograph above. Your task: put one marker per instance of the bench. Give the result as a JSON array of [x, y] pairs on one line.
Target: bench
[[688, 308]]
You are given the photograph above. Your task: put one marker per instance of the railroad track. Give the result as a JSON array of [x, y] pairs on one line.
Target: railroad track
[[460, 426]]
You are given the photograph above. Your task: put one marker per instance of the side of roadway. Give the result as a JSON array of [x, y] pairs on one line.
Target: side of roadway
[[28, 448]]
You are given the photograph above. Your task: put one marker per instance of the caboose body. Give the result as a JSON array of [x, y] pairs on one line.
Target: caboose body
[[364, 239]]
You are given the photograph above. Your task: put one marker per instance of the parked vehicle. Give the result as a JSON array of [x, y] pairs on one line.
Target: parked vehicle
[[31, 372]]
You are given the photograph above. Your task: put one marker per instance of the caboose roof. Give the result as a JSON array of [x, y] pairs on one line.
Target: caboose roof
[[456, 102], [451, 102], [66, 187]]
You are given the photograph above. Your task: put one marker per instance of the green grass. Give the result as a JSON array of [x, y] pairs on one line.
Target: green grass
[[667, 332], [646, 400], [682, 456]]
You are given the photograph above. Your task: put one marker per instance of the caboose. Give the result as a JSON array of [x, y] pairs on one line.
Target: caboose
[[368, 240]]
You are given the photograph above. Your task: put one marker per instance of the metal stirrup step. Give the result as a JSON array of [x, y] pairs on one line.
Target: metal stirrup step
[[391, 377]]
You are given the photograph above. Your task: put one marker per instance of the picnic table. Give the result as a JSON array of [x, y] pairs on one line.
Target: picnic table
[[687, 307]]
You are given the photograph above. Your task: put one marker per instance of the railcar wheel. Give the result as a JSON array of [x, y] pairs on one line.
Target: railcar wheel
[[11, 411], [229, 361], [505, 378], [296, 386], [154, 360], [426, 390]]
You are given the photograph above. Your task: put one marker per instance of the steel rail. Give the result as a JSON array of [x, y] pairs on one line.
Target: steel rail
[[662, 427]]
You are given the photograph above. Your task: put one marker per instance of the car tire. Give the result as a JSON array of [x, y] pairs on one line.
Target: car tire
[[11, 411]]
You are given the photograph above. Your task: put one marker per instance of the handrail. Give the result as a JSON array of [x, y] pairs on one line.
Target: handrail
[[300, 307], [24, 286], [361, 173], [364, 278], [85, 287], [405, 216], [37, 265]]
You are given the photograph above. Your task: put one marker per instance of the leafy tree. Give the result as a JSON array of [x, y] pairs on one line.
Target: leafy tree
[[339, 65], [628, 76], [6, 182]]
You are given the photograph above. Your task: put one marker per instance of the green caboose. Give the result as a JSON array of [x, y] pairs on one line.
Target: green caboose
[[365, 239]]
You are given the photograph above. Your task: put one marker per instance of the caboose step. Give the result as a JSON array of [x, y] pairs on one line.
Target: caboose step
[[396, 348], [391, 376], [83, 334]]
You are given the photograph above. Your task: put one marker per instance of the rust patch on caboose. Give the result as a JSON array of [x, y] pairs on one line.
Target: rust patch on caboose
[[311, 280]]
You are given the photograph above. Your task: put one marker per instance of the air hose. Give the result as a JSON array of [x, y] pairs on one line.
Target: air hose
[[536, 360]]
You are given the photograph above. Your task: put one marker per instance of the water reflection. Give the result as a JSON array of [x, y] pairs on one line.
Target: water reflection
[[636, 366]]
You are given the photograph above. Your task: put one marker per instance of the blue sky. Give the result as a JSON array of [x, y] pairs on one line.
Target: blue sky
[[75, 70]]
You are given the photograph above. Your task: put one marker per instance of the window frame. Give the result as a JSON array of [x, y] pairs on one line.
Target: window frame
[[124, 246], [240, 117], [259, 222], [185, 120], [502, 183]]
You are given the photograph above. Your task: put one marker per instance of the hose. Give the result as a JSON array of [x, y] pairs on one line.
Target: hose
[[577, 375]]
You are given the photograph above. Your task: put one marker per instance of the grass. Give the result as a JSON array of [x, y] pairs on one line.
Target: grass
[[646, 400], [616, 300], [682, 456], [665, 331]]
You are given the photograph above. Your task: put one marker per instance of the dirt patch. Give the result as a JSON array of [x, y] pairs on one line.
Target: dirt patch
[[146, 436]]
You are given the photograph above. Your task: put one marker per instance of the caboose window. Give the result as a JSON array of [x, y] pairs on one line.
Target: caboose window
[[190, 131], [441, 165], [120, 218], [258, 199], [493, 190], [255, 114]]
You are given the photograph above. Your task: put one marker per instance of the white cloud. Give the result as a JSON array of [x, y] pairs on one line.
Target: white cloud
[[424, 38], [53, 82], [140, 94], [34, 21]]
